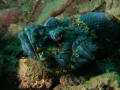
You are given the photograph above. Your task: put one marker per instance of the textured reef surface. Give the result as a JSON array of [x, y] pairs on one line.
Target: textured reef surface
[[106, 81], [48, 57], [64, 45]]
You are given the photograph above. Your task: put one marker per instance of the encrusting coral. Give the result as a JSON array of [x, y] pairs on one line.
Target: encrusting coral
[[9, 16], [63, 45], [106, 81], [32, 75]]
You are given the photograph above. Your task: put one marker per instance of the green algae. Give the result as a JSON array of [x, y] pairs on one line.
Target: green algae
[[48, 9], [10, 51]]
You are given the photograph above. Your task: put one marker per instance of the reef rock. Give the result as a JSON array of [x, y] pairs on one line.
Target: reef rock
[[9, 16], [33, 76], [101, 82]]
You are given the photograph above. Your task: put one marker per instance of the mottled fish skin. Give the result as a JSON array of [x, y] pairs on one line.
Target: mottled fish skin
[[26, 46], [60, 41], [106, 30], [104, 25], [35, 35], [67, 42]]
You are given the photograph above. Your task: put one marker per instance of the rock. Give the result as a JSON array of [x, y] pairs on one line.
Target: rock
[[9, 16], [33, 76], [13, 31], [95, 81]]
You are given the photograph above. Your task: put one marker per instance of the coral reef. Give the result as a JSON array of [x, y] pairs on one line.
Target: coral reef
[[33, 76], [81, 7], [69, 80], [13, 31], [112, 7], [9, 16], [107, 81], [51, 9], [32, 12], [37, 12]]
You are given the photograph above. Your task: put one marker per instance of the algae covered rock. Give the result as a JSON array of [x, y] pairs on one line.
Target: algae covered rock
[[33, 76], [100, 82]]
